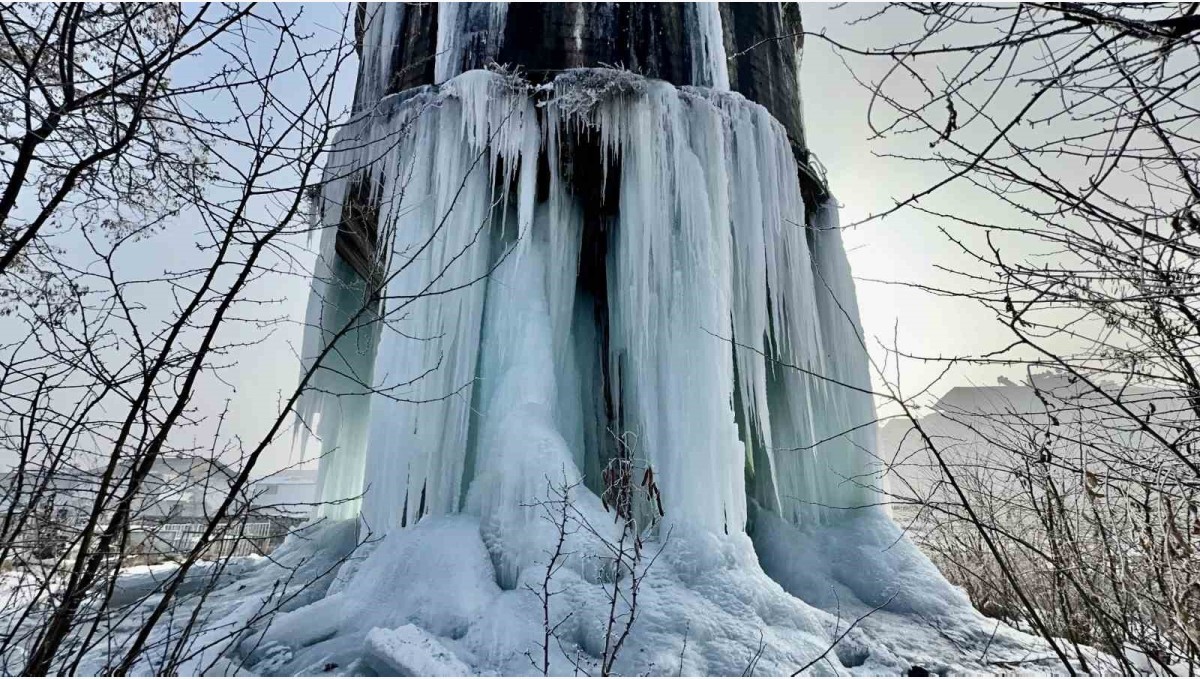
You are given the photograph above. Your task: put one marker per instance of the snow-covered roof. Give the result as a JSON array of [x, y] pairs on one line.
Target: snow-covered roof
[[290, 477]]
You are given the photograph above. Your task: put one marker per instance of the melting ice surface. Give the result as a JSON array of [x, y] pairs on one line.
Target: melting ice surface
[[603, 256]]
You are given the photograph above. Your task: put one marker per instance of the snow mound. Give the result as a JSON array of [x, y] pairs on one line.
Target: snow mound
[[425, 601], [411, 652]]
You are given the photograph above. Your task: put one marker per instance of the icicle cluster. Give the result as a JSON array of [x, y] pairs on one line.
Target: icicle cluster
[[733, 352]]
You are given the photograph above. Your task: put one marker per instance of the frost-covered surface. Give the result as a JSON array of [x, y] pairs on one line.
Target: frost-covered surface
[[410, 652]]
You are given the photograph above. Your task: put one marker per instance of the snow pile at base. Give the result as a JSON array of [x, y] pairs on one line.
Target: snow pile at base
[[426, 601]]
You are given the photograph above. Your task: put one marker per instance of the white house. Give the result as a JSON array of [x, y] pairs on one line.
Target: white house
[[289, 493]]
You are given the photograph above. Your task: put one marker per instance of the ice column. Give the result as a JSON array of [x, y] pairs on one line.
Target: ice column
[[728, 343]]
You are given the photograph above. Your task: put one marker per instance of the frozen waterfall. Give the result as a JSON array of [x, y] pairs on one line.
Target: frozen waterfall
[[561, 265]]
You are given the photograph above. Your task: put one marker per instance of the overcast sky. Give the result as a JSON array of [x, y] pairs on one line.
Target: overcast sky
[[904, 247]]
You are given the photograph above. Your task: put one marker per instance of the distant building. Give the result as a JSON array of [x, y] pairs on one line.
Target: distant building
[[41, 510], [290, 493], [981, 431], [173, 509]]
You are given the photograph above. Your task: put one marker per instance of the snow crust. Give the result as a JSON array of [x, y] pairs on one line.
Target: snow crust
[[409, 652], [425, 601]]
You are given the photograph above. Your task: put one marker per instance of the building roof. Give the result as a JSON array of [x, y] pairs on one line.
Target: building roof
[[290, 477]]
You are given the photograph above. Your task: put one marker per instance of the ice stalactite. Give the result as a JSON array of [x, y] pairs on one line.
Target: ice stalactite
[[340, 322], [466, 28], [710, 66], [716, 326], [379, 39]]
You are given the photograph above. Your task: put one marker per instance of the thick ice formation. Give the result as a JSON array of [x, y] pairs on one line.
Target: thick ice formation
[[710, 66], [722, 330]]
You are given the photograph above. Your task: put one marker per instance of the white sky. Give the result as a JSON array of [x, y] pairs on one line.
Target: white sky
[[905, 246]]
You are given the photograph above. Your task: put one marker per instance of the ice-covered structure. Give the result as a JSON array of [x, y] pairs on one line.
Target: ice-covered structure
[[553, 230], [615, 252]]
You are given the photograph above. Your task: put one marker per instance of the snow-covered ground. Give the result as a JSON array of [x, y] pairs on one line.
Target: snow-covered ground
[[425, 601], [707, 608]]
